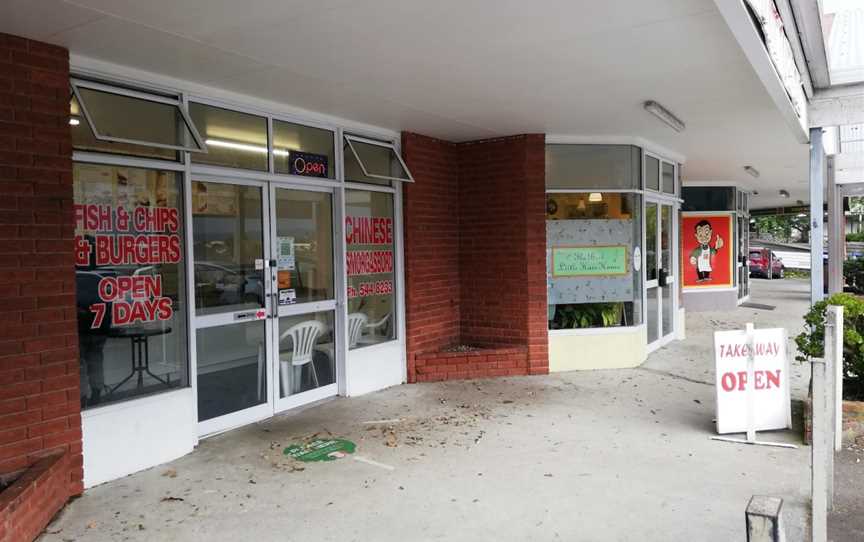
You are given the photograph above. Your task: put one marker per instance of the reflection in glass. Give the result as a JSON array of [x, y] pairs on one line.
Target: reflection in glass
[[667, 318], [232, 368], [306, 352], [125, 349], [289, 137], [652, 314], [668, 178], [233, 139], [228, 238], [593, 166], [666, 240], [651, 241], [370, 260], [304, 246], [652, 173]]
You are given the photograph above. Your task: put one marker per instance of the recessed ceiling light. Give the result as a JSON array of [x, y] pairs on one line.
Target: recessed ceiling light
[[752, 171], [665, 115], [784, 193], [74, 122]]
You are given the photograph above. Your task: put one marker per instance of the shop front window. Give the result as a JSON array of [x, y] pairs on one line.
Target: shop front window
[[233, 139], [370, 265], [594, 259], [303, 150], [130, 282]]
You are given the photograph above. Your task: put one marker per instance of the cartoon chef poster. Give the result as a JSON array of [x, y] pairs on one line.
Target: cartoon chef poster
[[707, 250]]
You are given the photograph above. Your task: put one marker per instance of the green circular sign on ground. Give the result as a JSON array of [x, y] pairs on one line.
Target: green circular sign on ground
[[320, 450]]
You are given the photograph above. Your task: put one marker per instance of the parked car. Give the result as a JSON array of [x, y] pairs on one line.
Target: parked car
[[764, 263]]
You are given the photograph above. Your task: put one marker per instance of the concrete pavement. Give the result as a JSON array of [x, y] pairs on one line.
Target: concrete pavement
[[582, 456]]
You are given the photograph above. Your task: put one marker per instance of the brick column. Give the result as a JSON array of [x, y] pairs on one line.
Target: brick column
[[475, 255], [39, 382]]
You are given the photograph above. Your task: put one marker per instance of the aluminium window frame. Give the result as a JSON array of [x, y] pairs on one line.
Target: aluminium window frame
[[348, 138], [176, 102]]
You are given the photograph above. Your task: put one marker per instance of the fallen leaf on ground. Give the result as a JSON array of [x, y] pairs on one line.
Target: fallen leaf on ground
[[170, 473]]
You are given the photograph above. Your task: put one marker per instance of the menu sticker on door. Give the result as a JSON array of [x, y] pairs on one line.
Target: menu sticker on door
[[287, 296], [285, 259]]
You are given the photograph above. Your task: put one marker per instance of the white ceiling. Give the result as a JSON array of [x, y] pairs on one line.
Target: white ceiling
[[461, 69]]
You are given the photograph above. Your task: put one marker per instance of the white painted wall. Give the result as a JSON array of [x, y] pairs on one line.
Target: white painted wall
[[374, 368], [127, 437]]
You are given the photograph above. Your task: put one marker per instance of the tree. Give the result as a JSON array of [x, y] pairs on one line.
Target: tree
[[784, 228]]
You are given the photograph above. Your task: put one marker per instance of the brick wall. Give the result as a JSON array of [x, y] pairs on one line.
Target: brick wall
[[39, 383], [475, 256], [431, 245]]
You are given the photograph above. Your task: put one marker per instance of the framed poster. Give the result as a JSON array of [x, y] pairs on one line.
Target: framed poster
[[707, 250]]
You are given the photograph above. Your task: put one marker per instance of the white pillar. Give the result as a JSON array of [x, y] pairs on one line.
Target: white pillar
[[817, 182]]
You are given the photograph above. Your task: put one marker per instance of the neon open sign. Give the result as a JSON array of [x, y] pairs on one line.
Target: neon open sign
[[307, 164]]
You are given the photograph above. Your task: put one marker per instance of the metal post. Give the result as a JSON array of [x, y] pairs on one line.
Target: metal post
[[817, 181], [836, 235]]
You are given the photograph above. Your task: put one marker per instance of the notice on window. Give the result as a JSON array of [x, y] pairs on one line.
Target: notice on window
[[138, 237], [589, 261], [369, 243], [287, 296], [285, 254]]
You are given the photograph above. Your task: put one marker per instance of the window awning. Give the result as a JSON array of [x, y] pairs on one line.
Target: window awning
[[378, 160], [129, 116]]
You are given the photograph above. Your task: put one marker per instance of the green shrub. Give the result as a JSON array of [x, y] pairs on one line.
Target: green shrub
[[855, 237], [587, 315], [811, 343]]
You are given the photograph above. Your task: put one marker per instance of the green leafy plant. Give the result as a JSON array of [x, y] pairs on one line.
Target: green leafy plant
[[585, 315], [811, 343], [855, 237]]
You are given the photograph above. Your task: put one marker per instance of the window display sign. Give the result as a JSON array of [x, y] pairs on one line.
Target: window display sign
[[307, 164], [375, 232], [589, 261], [129, 281], [767, 381], [707, 250], [135, 235]]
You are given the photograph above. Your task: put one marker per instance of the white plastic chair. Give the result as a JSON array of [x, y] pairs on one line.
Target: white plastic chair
[[356, 323], [372, 327], [303, 336]]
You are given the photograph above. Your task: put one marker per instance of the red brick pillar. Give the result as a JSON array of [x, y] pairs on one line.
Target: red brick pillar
[[39, 382], [535, 258]]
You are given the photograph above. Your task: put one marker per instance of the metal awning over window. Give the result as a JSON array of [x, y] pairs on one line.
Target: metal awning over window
[[129, 116], [378, 160]]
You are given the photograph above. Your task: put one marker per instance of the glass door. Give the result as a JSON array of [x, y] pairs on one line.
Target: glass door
[[230, 250], [660, 271], [306, 342]]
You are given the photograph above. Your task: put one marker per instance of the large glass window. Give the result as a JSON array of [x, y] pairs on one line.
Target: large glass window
[[593, 241], [652, 173], [302, 150], [370, 265], [708, 198], [130, 282], [593, 167], [304, 241], [228, 239], [233, 139]]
